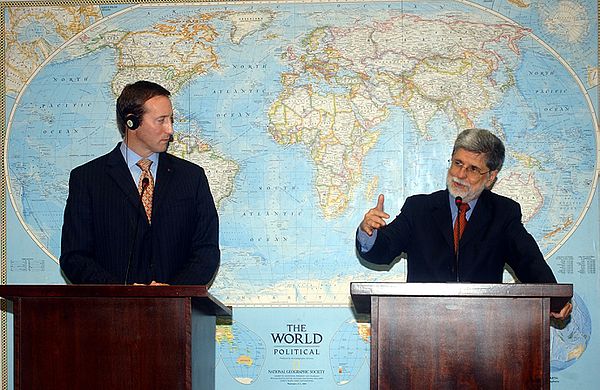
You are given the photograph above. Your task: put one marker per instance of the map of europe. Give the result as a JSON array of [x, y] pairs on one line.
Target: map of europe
[[301, 114]]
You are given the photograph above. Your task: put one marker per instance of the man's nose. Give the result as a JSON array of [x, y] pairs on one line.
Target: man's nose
[[169, 127], [462, 172]]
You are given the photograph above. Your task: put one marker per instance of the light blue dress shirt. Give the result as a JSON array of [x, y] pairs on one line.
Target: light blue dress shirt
[[131, 159]]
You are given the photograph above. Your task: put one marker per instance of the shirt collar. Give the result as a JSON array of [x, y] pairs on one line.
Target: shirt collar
[[454, 208], [131, 157]]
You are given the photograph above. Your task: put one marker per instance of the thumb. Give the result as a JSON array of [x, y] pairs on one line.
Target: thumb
[[380, 200]]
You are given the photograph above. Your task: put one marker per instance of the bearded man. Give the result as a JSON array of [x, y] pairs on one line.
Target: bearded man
[[465, 233]]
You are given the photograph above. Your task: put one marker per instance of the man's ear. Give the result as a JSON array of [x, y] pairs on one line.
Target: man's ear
[[491, 180]]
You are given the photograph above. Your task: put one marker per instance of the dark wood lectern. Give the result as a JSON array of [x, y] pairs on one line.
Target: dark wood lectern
[[459, 336], [113, 337]]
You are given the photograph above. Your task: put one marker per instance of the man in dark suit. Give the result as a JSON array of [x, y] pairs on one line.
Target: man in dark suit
[[492, 233], [133, 222]]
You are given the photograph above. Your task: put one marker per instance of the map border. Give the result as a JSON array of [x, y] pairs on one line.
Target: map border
[[3, 239], [4, 359]]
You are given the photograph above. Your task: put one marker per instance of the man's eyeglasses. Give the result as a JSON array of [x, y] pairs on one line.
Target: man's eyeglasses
[[473, 172]]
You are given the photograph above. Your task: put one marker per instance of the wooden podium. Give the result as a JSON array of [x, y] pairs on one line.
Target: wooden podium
[[113, 337], [459, 336]]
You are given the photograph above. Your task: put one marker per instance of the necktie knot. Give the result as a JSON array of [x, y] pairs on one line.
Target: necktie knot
[[144, 164]]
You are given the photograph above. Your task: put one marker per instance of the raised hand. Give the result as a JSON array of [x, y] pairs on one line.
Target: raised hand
[[375, 217]]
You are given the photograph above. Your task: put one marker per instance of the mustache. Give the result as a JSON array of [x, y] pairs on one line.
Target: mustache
[[460, 181]]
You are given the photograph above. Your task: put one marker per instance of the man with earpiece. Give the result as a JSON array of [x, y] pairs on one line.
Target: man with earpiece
[[139, 215]]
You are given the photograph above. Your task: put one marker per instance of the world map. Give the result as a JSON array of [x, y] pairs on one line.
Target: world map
[[301, 119]]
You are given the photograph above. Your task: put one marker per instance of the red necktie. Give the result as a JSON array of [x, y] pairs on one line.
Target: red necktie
[[460, 224], [144, 164]]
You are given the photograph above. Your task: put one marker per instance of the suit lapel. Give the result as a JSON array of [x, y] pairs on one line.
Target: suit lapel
[[479, 221], [164, 176], [118, 171], [440, 209]]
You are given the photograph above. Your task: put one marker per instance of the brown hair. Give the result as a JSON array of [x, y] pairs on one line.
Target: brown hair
[[130, 104]]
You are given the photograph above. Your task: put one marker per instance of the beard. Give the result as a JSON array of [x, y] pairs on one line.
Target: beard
[[463, 188]]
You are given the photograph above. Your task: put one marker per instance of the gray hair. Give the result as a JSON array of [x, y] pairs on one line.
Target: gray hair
[[482, 141]]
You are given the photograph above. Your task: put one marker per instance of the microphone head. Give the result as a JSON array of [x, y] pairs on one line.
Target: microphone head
[[458, 201], [145, 182]]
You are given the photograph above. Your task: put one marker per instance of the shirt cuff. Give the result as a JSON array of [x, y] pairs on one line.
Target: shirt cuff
[[365, 242]]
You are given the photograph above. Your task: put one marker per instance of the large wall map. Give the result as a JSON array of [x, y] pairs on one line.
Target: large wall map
[[301, 113]]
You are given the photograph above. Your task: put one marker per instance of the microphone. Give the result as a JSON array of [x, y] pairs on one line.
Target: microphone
[[458, 202], [145, 184]]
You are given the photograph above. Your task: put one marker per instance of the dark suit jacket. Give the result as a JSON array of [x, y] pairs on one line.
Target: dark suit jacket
[[493, 236], [103, 208]]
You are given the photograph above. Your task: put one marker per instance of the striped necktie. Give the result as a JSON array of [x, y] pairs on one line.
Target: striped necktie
[[146, 186], [460, 224]]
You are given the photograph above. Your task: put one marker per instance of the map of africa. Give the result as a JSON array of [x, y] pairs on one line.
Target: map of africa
[[301, 114]]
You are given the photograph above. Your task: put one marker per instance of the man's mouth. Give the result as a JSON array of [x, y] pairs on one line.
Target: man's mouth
[[459, 185]]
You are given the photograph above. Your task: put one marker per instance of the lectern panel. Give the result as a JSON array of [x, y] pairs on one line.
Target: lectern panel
[[459, 343], [114, 337], [459, 335], [92, 339]]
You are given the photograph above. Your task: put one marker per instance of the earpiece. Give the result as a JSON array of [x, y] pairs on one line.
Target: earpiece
[[132, 121]]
